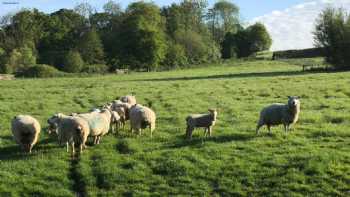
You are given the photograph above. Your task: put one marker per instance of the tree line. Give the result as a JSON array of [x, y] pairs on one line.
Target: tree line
[[141, 37]]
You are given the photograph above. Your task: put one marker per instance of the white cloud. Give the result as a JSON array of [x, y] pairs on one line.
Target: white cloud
[[292, 28]]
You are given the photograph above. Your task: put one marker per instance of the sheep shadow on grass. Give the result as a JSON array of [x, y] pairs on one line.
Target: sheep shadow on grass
[[181, 141]]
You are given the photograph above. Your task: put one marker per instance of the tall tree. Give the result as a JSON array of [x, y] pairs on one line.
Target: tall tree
[[142, 36], [223, 18], [332, 33], [90, 48]]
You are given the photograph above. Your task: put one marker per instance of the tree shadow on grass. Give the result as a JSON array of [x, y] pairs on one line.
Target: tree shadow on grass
[[235, 75], [181, 141]]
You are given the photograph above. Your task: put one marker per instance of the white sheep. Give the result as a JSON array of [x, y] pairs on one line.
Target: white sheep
[[276, 114], [128, 99], [25, 130], [99, 123], [142, 117], [122, 109], [206, 121], [70, 130]]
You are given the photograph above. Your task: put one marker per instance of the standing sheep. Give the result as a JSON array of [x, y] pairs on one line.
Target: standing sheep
[[201, 120], [70, 130], [142, 117], [276, 114], [122, 109], [25, 130], [128, 99], [99, 123]]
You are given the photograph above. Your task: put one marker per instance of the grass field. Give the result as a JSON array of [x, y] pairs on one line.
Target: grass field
[[312, 160]]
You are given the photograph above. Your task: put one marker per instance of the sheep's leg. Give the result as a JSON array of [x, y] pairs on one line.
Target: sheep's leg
[[67, 145], [73, 150], [81, 148], [150, 129], [98, 139], [95, 139], [258, 127], [189, 131], [269, 128], [210, 129]]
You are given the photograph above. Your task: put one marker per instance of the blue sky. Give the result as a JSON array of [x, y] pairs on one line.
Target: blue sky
[[249, 8], [289, 22]]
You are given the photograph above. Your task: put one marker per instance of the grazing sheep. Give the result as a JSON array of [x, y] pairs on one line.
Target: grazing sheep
[[128, 99], [99, 123], [142, 117], [201, 120], [278, 113], [25, 130], [70, 130]]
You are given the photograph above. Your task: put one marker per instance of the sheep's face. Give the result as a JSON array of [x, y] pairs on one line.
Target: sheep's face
[[293, 101], [27, 147], [53, 124], [214, 112]]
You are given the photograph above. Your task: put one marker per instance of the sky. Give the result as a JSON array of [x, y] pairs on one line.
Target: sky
[[289, 22]]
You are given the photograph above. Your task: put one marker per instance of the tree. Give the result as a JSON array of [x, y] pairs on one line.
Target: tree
[[246, 42], [142, 37], [223, 18], [90, 48], [84, 9], [332, 33], [259, 38], [112, 8], [73, 63]]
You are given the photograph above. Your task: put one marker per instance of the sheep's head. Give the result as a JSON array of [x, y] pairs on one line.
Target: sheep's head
[[53, 123], [213, 112], [293, 101]]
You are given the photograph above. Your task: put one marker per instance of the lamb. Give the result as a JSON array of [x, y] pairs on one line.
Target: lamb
[[99, 123], [25, 130], [276, 114], [201, 120], [128, 99], [70, 130], [142, 117]]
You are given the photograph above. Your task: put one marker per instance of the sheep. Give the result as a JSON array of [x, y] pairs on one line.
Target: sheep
[[123, 111], [25, 130], [142, 117], [115, 122], [70, 130], [276, 114], [99, 123], [128, 99], [201, 120]]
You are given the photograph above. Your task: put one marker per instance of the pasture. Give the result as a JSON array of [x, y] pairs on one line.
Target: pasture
[[312, 160]]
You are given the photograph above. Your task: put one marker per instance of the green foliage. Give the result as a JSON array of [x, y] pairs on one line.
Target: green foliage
[[246, 42], [90, 48], [95, 68], [223, 18], [176, 56], [333, 34], [40, 71], [142, 36], [18, 60], [73, 62]]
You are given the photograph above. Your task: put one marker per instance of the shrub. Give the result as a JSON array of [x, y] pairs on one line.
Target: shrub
[[175, 56], [95, 68], [73, 62], [40, 71]]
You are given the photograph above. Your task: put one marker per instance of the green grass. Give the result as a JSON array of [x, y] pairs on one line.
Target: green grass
[[312, 160]]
